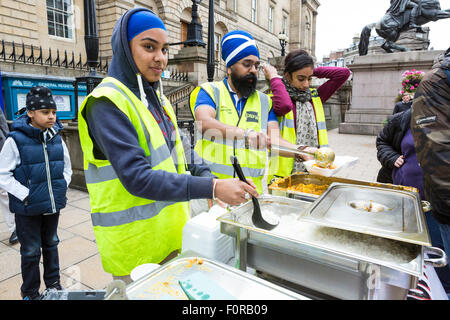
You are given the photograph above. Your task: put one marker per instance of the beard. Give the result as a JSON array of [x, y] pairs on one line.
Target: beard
[[246, 85]]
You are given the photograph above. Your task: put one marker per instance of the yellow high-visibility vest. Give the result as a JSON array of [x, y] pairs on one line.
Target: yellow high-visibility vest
[[282, 166], [130, 230], [216, 150]]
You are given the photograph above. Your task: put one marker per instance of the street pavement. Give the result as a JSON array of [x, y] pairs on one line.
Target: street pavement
[[80, 263]]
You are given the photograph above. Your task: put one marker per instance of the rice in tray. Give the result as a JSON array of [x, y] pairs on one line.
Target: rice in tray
[[346, 241]]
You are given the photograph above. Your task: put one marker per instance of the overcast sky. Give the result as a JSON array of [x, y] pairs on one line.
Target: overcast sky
[[339, 20]]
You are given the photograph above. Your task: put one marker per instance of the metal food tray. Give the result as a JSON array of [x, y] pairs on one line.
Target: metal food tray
[[334, 262], [391, 214], [278, 187], [292, 214], [162, 283]]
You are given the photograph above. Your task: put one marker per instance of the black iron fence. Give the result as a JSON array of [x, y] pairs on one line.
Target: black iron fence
[[36, 55], [30, 54], [179, 98]]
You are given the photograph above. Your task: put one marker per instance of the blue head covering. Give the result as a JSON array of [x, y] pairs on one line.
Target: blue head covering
[[237, 45], [142, 21]]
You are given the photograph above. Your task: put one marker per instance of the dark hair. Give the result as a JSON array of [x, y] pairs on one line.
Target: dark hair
[[296, 60]]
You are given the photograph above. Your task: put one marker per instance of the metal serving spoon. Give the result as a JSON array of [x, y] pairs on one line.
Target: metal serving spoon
[[324, 156], [257, 217]]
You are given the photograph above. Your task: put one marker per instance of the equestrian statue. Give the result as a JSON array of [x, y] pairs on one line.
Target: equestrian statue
[[401, 16]]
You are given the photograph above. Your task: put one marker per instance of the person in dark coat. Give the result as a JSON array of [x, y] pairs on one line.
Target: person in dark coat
[[388, 148], [396, 151], [403, 105]]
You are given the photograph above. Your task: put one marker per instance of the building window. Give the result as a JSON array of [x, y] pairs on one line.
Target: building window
[[217, 41], [60, 18], [183, 33], [254, 8], [284, 26], [270, 19]]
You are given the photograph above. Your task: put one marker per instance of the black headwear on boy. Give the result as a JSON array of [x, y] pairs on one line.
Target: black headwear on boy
[[38, 98]]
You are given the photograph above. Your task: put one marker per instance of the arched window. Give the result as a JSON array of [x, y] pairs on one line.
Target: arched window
[[185, 19]]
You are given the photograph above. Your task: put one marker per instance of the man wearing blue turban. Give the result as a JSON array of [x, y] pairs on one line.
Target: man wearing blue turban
[[235, 118], [135, 158]]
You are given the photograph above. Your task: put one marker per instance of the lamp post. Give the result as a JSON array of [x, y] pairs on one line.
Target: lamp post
[[210, 55], [92, 47], [283, 42], [194, 32]]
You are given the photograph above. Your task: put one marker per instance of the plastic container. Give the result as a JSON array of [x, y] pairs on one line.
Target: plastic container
[[340, 162], [202, 234]]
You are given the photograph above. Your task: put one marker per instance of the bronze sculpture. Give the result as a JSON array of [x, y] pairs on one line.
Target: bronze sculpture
[[401, 16]]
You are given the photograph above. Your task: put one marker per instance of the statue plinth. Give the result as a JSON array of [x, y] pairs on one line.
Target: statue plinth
[[376, 83]]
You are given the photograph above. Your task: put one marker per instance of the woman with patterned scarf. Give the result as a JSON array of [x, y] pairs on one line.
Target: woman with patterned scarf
[[292, 93]]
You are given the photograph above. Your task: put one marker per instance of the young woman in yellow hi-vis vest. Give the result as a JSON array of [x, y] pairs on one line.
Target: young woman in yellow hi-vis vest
[[140, 172], [300, 108], [233, 117]]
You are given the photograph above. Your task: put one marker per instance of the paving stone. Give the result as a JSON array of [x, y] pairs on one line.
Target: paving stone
[[90, 273], [82, 204], [72, 216], [9, 263], [75, 250], [84, 230]]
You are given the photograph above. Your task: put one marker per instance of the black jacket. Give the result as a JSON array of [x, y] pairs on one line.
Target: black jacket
[[389, 144], [401, 106]]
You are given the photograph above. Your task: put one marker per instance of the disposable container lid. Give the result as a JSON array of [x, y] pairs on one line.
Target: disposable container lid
[[391, 214]]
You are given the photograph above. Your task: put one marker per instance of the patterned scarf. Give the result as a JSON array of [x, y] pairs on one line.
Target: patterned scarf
[[306, 125]]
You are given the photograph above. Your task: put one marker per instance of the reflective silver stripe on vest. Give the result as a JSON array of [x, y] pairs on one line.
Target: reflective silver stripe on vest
[[265, 104], [118, 218], [216, 94], [96, 174], [229, 170], [322, 125], [288, 123]]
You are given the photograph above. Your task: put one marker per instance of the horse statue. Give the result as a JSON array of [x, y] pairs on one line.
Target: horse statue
[[400, 17]]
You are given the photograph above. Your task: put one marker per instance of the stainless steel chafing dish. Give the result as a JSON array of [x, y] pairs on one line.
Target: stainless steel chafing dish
[[321, 261], [279, 187]]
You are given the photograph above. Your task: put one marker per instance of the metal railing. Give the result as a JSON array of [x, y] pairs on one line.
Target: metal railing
[[180, 96], [30, 54]]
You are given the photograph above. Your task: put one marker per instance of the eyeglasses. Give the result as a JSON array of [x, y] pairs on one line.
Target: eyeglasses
[[249, 65]]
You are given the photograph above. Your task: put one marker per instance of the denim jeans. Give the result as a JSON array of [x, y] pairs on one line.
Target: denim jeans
[[34, 233]]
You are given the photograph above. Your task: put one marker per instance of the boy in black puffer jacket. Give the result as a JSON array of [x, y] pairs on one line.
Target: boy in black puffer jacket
[[35, 170]]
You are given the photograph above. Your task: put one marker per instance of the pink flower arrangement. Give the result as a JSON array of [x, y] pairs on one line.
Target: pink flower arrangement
[[410, 82]]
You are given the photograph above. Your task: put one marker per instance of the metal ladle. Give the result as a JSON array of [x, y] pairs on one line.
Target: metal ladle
[[324, 156], [257, 217]]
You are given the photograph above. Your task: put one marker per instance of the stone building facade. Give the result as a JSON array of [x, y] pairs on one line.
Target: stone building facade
[[59, 25]]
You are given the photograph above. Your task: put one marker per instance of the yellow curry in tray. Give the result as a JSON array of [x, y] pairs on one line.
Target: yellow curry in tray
[[285, 184], [300, 187]]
